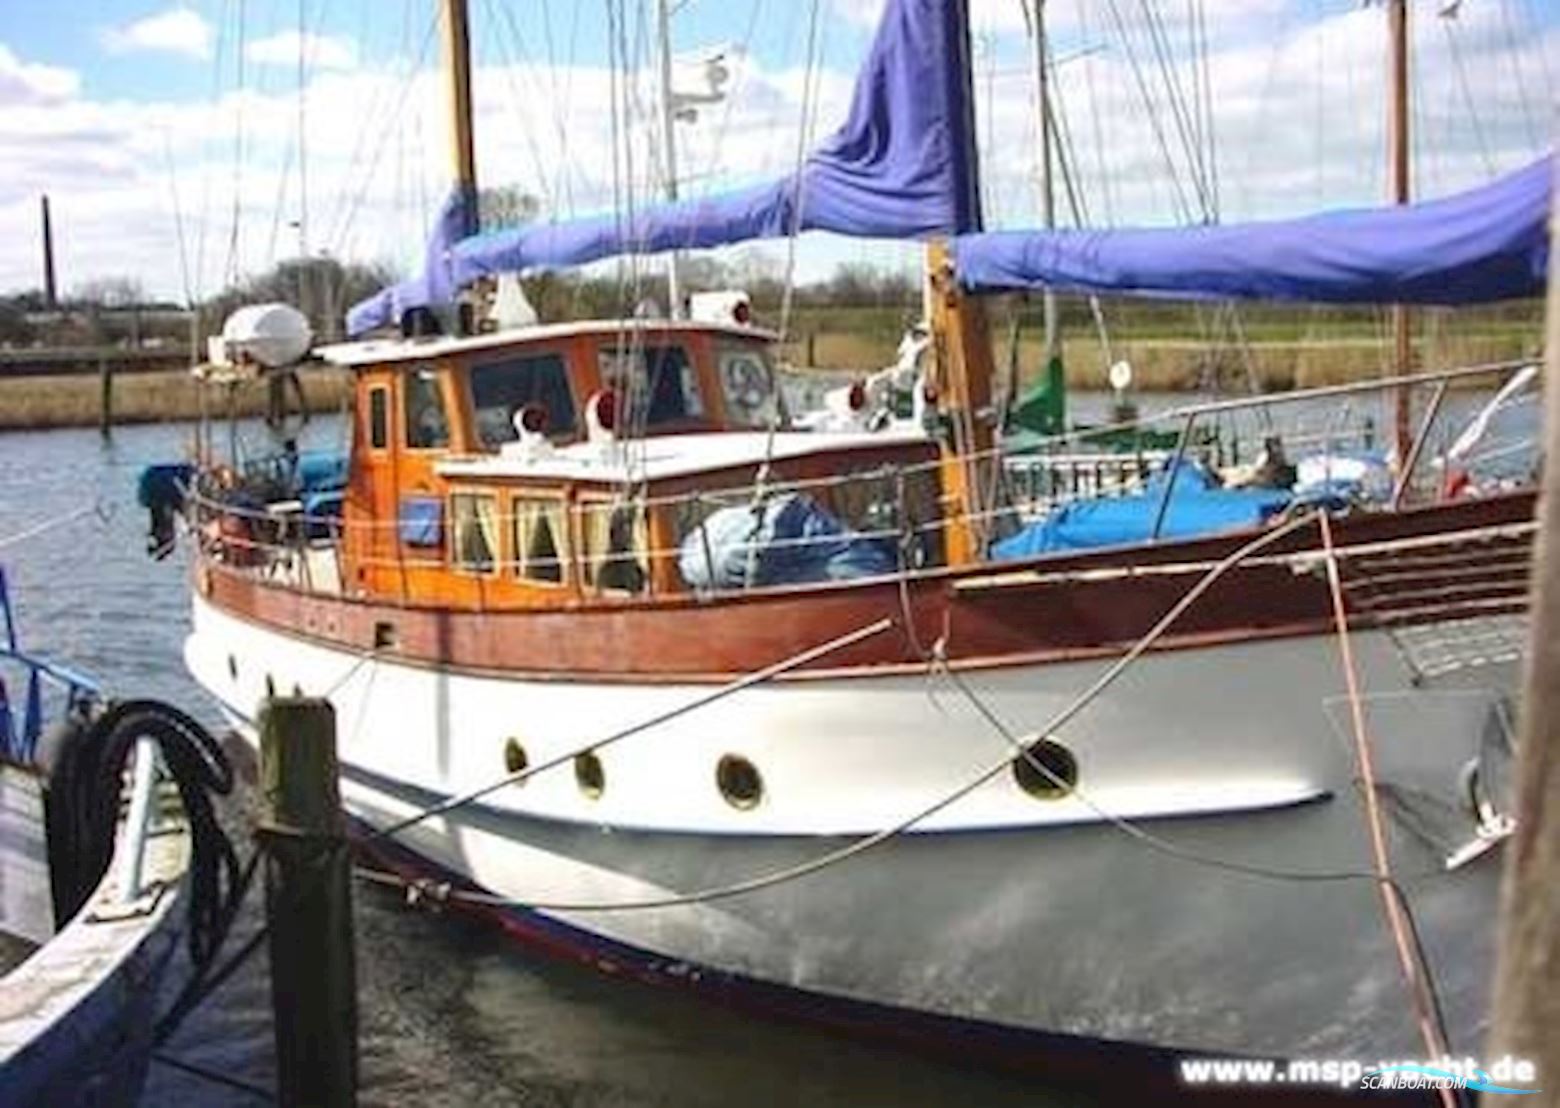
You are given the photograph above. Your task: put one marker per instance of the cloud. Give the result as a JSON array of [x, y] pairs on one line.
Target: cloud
[[319, 51], [175, 31], [22, 83]]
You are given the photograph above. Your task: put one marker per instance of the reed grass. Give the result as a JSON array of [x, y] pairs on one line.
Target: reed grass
[[38, 403], [1160, 364]]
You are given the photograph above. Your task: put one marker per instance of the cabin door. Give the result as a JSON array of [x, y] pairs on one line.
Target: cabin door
[[377, 540]]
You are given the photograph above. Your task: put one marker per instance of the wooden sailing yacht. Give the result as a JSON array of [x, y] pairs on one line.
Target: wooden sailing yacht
[[778, 716]]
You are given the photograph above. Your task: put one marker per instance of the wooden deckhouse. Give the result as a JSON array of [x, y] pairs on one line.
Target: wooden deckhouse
[[450, 499]]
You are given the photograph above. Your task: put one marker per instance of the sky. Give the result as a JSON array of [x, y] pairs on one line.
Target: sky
[[187, 143]]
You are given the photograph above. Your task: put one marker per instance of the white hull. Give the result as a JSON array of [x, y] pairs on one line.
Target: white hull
[[1034, 914]]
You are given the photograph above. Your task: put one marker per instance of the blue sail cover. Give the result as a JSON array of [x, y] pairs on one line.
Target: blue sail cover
[[901, 166], [1491, 243], [435, 284]]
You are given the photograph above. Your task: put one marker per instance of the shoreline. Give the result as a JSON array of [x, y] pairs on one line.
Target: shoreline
[[55, 401]]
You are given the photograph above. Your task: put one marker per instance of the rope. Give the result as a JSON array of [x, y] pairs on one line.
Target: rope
[[442, 891], [97, 508], [214, 1076], [757, 677], [1415, 972], [85, 787]]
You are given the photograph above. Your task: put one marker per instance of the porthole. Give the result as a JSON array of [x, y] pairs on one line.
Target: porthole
[[589, 775], [270, 687], [1047, 770], [232, 667], [739, 782], [515, 760]]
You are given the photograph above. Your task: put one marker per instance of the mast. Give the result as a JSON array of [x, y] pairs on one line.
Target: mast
[[961, 346], [1398, 139], [457, 58], [669, 143]]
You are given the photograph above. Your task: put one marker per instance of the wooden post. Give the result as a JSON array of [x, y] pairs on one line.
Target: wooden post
[[1527, 979], [308, 904], [105, 396]]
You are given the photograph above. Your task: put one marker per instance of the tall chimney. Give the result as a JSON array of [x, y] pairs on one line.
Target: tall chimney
[[50, 299]]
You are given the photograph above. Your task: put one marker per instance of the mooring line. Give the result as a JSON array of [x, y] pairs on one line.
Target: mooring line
[[747, 681], [443, 891], [214, 1076], [96, 508], [1415, 972]]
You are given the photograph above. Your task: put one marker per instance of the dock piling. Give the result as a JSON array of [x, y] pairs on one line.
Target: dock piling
[[105, 397], [1527, 999], [308, 903]]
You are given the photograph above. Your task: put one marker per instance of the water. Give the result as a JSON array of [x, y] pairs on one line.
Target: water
[[452, 1012]]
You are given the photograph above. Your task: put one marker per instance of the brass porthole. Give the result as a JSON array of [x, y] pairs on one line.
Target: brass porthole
[[515, 760], [1047, 770], [739, 782], [589, 775]]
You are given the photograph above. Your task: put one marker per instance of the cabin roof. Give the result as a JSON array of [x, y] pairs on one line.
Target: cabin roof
[[666, 456], [378, 351]]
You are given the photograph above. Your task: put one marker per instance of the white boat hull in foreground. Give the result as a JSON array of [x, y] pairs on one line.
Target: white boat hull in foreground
[[1128, 911]]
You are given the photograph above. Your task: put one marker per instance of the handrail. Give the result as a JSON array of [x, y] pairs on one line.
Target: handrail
[[1082, 435], [886, 504]]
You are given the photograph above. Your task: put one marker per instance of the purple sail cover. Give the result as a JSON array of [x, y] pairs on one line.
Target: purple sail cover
[[1491, 243], [901, 166]]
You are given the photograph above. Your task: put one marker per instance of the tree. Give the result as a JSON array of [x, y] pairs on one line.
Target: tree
[[111, 292], [322, 288], [14, 328], [505, 206]]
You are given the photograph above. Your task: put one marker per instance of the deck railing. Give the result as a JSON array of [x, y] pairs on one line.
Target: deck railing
[[897, 510]]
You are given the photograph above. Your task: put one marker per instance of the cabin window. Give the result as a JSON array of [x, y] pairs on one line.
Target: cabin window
[[660, 383], [501, 389], [474, 531], [748, 381], [427, 426], [615, 547], [541, 539], [378, 418]]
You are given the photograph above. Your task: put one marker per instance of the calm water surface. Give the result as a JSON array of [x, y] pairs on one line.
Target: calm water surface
[[451, 1012]]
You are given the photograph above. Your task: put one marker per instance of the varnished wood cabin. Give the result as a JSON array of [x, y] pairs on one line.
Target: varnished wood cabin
[[445, 506]]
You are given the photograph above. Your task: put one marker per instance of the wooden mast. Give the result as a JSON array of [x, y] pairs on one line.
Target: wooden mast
[[961, 352], [457, 60], [1398, 139]]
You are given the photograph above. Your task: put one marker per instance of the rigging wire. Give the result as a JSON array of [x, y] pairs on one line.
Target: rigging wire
[[232, 267], [354, 203], [810, 76], [1481, 142]]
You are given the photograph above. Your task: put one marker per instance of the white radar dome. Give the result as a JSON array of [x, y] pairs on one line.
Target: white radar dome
[[273, 335]]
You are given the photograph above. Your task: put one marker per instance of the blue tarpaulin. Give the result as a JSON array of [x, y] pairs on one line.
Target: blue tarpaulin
[[791, 540], [1491, 243], [902, 166], [1198, 506]]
